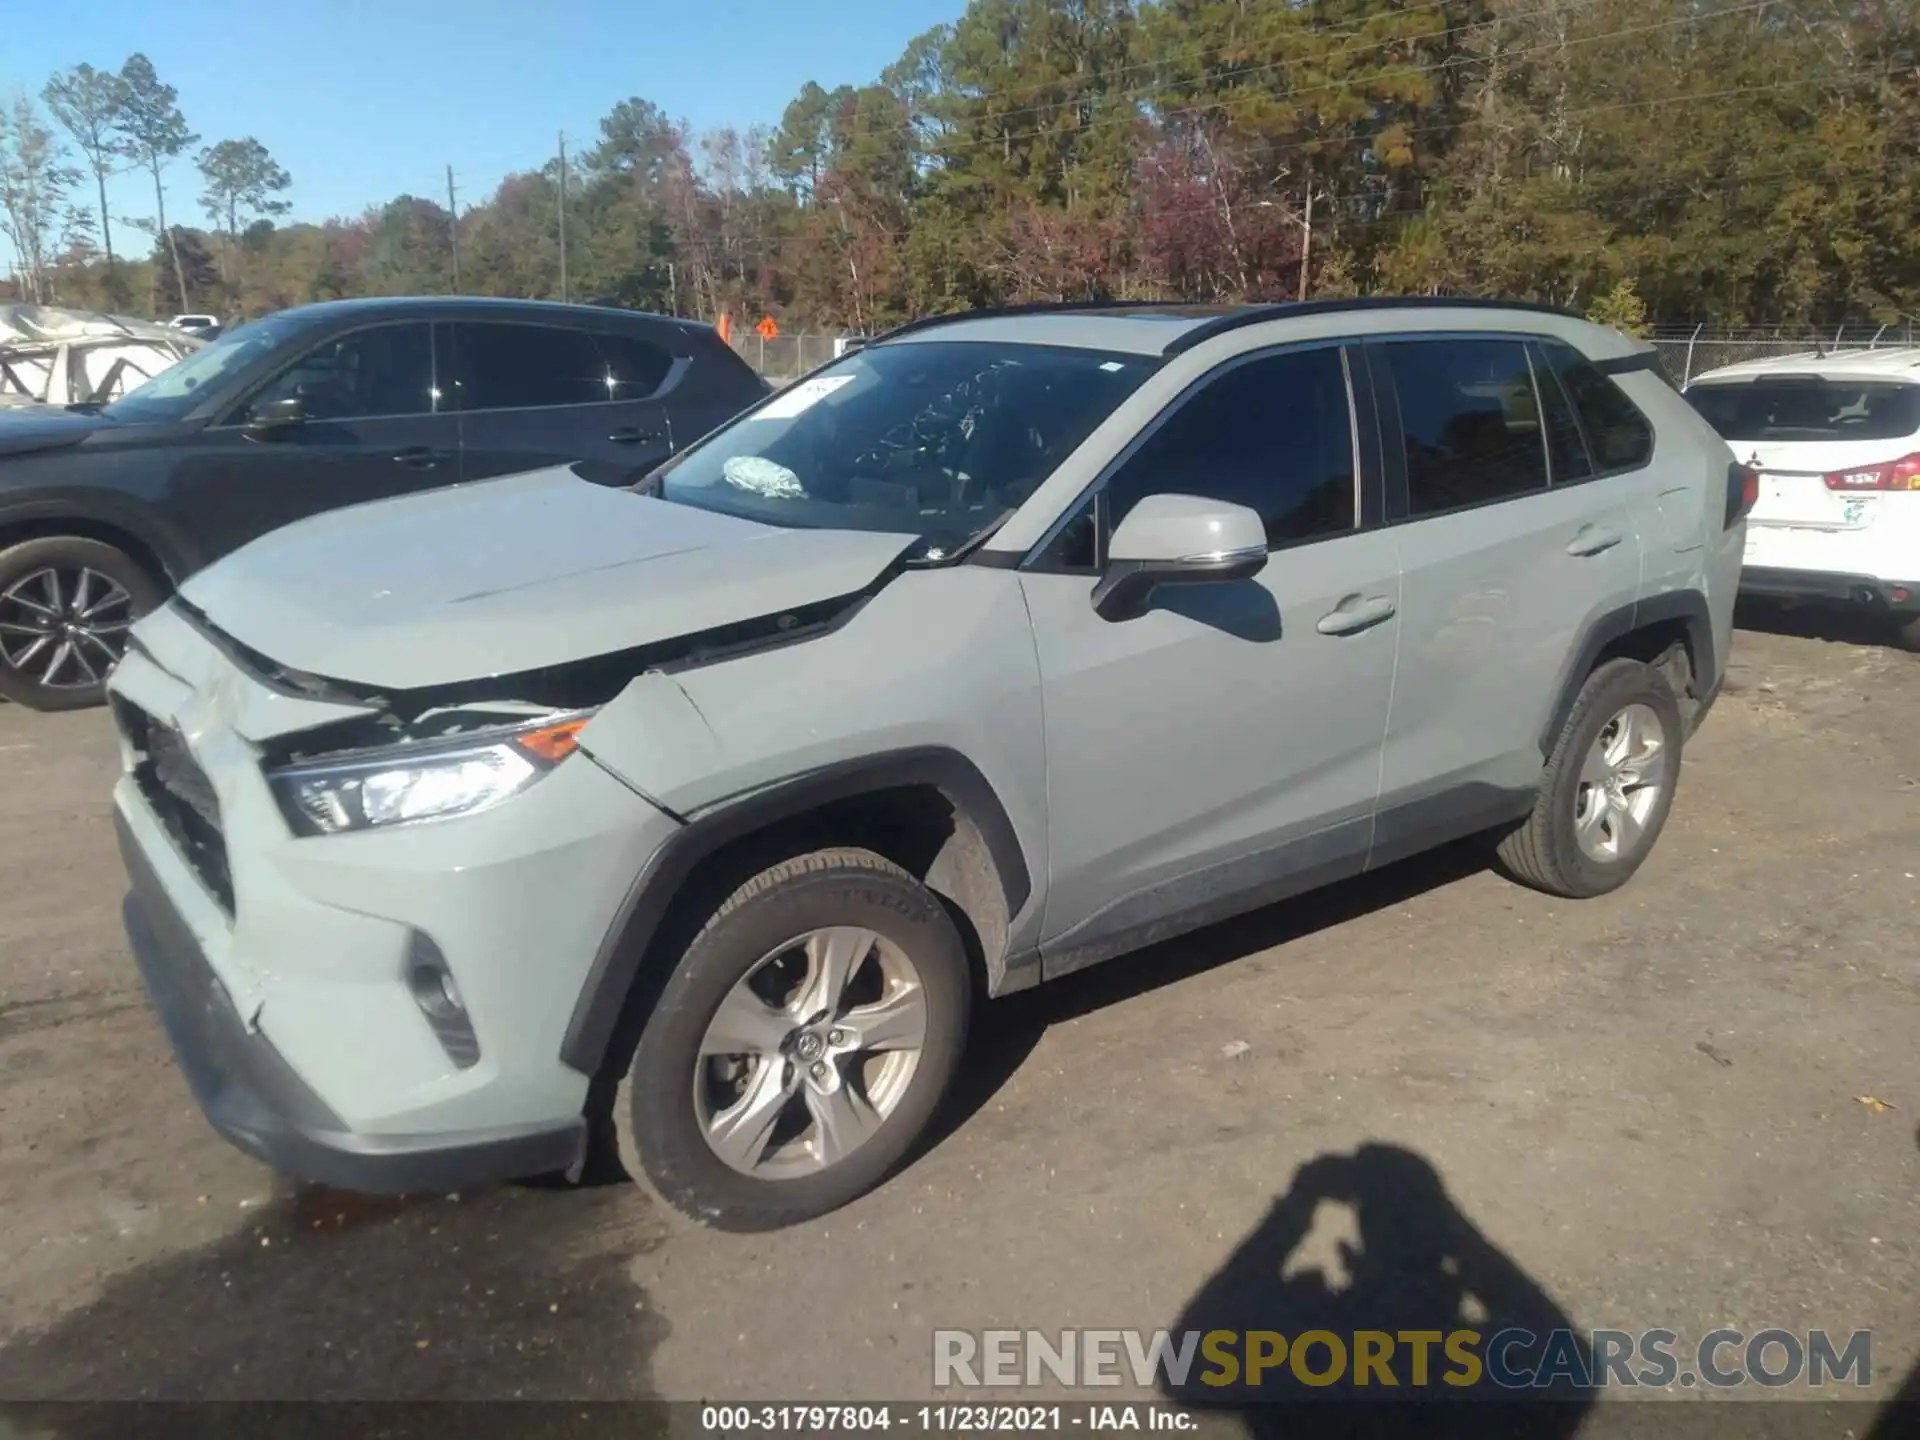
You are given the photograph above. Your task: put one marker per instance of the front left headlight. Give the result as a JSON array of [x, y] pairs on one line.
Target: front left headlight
[[427, 780]]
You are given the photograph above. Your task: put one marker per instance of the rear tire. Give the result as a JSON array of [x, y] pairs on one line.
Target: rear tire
[[759, 975], [1607, 789], [1909, 634], [66, 604]]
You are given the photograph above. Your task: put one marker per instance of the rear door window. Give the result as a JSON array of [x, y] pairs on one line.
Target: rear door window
[[1469, 421], [635, 367], [518, 367], [1809, 408], [1566, 444]]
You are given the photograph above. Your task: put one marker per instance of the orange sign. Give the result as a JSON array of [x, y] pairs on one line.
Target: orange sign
[[766, 329], [725, 327]]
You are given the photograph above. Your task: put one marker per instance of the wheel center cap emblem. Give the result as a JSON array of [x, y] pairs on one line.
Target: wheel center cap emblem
[[809, 1046]]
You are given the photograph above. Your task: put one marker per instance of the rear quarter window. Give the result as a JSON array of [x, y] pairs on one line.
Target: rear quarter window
[[1618, 436]]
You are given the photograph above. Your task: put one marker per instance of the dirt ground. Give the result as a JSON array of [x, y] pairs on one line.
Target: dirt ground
[[1650, 1105]]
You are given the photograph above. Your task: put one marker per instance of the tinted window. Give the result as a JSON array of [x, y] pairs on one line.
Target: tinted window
[[509, 367], [1617, 433], [1565, 444], [1810, 409], [635, 366], [934, 438], [1273, 434], [361, 376], [1469, 421]]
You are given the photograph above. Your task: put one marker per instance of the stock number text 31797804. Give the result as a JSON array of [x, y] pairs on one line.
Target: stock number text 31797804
[[933, 1419]]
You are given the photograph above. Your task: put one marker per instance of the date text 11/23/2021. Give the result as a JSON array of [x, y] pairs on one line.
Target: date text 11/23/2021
[[957, 1418]]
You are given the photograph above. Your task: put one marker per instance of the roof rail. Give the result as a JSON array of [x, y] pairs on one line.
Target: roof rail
[[1035, 307], [1289, 309]]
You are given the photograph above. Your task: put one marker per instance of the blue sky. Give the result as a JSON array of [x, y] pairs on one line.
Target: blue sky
[[362, 100]]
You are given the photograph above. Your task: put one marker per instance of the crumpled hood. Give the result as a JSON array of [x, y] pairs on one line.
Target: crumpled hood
[[511, 575]]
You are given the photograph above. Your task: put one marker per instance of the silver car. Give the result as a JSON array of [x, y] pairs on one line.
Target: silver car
[[514, 827]]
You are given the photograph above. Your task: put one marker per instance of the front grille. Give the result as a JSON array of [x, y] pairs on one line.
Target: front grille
[[180, 794]]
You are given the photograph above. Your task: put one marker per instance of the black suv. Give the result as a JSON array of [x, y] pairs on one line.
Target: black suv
[[102, 512]]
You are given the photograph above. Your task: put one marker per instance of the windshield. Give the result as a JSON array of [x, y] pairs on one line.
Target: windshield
[[178, 388], [939, 439], [1810, 409]]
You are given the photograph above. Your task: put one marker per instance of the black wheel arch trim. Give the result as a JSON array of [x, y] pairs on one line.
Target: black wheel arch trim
[[1686, 606], [175, 553], [616, 966]]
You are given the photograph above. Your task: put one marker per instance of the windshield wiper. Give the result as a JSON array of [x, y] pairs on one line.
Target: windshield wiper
[[86, 407]]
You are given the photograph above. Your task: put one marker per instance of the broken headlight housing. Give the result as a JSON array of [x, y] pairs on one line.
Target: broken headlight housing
[[422, 780]]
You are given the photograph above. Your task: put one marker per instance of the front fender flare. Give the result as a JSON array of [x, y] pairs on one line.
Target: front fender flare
[[617, 965]]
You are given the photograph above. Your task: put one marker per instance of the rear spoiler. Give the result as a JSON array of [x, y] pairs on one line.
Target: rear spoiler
[[1626, 364], [1648, 360]]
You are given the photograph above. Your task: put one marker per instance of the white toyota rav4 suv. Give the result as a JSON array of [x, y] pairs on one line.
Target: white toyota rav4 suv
[[1836, 439]]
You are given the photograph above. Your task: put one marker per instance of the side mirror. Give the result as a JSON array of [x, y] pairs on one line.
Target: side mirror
[[1177, 540], [276, 415]]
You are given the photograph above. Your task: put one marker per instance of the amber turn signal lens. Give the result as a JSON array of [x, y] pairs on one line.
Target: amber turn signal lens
[[553, 743]]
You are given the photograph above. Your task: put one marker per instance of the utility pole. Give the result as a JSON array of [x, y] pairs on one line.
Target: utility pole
[[1306, 242], [453, 229], [563, 216]]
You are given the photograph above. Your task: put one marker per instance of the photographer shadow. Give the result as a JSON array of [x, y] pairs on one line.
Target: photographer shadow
[[1415, 1265]]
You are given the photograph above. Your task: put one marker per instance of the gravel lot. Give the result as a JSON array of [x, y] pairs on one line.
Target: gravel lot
[[1648, 1104]]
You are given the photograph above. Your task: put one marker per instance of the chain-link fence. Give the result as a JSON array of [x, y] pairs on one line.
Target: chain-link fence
[[1691, 350], [786, 357]]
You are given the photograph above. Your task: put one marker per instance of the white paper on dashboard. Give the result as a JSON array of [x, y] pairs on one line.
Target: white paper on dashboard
[[802, 397]]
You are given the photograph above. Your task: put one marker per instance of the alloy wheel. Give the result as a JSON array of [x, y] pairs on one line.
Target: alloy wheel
[[1621, 782], [64, 628], [809, 1053]]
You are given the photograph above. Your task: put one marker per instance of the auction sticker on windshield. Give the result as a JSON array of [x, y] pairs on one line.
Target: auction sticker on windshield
[[801, 397]]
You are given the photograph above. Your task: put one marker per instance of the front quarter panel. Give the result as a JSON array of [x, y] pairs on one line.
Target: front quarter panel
[[938, 659]]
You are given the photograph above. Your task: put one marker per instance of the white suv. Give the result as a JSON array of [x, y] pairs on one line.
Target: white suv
[[1836, 439]]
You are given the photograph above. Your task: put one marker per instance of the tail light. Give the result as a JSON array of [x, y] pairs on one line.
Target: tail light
[[1902, 474], [1743, 492]]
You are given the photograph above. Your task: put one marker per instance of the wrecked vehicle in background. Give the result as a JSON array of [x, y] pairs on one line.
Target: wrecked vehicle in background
[[54, 356]]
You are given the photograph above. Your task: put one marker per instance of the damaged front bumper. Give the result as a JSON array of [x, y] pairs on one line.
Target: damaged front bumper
[[255, 1099], [382, 1010]]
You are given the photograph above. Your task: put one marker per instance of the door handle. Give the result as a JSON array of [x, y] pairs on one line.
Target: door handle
[[422, 457], [1593, 541], [1353, 615], [634, 435]]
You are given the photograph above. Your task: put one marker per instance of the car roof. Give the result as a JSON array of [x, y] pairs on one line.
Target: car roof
[[1897, 363], [1137, 330], [471, 307], [1151, 328]]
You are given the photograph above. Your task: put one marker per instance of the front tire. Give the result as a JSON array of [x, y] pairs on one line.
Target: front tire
[[66, 604], [1607, 789], [800, 1046]]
